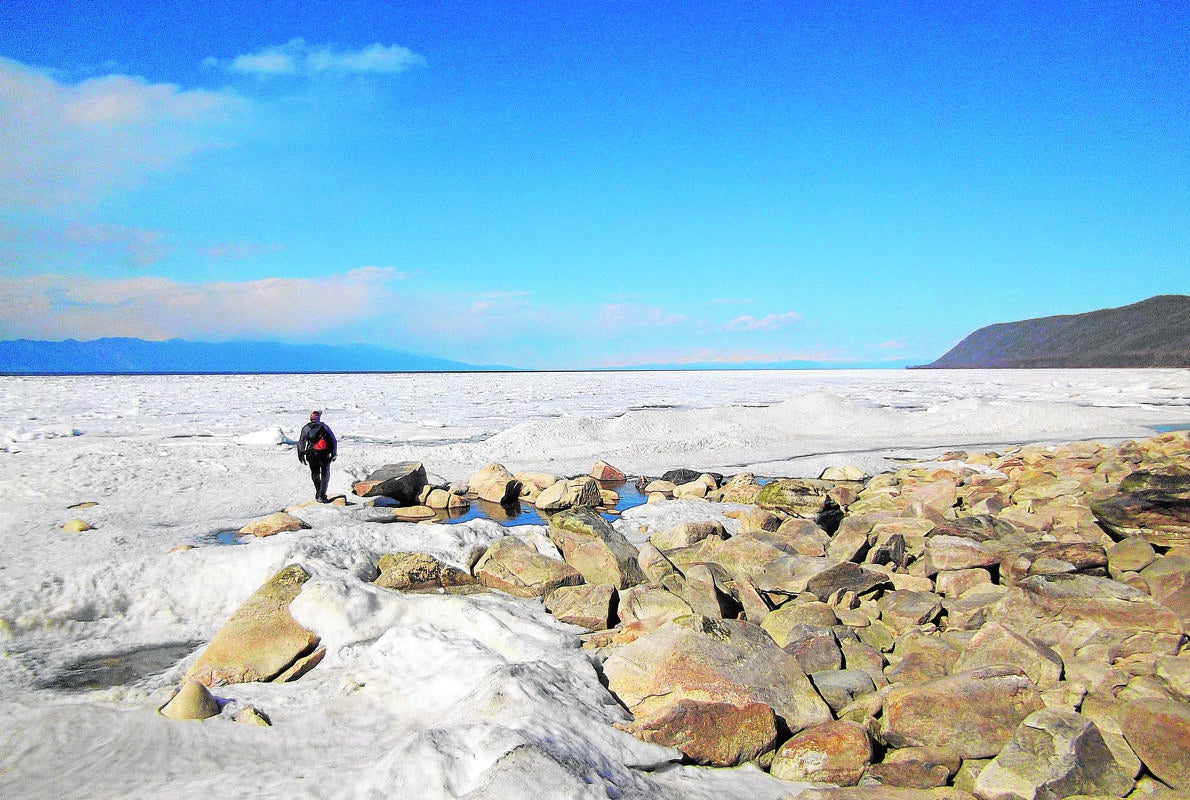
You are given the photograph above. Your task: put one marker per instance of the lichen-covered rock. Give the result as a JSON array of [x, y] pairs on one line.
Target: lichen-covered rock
[[1053, 754], [996, 644], [686, 534], [975, 712], [513, 566], [833, 752], [588, 606], [575, 493], [420, 572], [597, 550], [715, 661], [709, 733], [1158, 731], [261, 640], [1160, 516]]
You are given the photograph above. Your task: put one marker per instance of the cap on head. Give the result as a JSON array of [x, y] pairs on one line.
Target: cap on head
[[314, 415]]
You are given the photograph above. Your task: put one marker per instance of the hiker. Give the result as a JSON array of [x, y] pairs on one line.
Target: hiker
[[318, 447]]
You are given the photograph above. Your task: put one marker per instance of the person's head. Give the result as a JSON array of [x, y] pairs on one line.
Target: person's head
[[315, 416]]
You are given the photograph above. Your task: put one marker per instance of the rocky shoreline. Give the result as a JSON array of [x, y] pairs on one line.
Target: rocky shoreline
[[990, 625]]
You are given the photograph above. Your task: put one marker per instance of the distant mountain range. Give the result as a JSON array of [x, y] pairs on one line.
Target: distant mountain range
[[177, 356], [1151, 333]]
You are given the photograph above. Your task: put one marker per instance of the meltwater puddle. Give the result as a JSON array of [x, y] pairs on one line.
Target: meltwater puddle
[[118, 669], [513, 514]]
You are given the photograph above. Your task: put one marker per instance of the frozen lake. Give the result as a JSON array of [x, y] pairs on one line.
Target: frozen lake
[[408, 701]]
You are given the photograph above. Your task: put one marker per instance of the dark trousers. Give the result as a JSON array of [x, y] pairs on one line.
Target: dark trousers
[[320, 473]]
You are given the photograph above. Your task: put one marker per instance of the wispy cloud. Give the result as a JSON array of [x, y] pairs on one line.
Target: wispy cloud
[[64, 144], [296, 57], [722, 357], [898, 344], [81, 244], [770, 322], [631, 316], [238, 251], [60, 306]]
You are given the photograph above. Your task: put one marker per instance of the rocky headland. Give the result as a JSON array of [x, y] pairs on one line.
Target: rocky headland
[[1151, 333], [989, 625]]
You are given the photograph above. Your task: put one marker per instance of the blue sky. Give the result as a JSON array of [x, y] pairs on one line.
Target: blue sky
[[568, 185]]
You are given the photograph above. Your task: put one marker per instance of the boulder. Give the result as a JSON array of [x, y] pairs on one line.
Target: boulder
[[578, 492], [845, 577], [686, 534], [833, 752], [802, 497], [781, 622], [839, 687], [402, 482], [975, 713], [815, 649], [650, 605], [513, 566], [680, 476], [495, 484], [420, 572], [1053, 754], [996, 644], [588, 606], [846, 472], [602, 471], [704, 594], [742, 488], [279, 522], [77, 526], [192, 701], [710, 733], [261, 641], [596, 549], [1160, 517], [1158, 731], [1119, 619], [714, 661]]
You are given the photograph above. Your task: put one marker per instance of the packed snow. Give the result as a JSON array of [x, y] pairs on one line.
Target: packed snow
[[420, 695]]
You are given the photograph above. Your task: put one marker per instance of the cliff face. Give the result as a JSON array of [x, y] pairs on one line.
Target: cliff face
[[1151, 333]]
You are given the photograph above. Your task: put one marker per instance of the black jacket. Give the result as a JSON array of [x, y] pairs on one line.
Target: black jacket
[[309, 435]]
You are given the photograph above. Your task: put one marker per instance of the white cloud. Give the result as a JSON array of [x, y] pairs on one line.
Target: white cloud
[[61, 306], [295, 57], [65, 144], [896, 344], [771, 322]]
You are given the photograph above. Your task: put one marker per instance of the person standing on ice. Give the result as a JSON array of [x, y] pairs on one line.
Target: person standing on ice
[[318, 447]]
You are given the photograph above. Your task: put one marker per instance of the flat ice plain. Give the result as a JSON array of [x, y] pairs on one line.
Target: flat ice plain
[[425, 696]]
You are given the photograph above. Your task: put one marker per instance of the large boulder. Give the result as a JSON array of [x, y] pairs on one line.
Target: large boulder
[[1053, 754], [975, 713], [1115, 618], [1158, 731], [402, 482], [1160, 515], [596, 549], [833, 752], [574, 493], [710, 733], [513, 566], [587, 605], [712, 661], [420, 572], [802, 497], [996, 644], [261, 641], [495, 484]]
